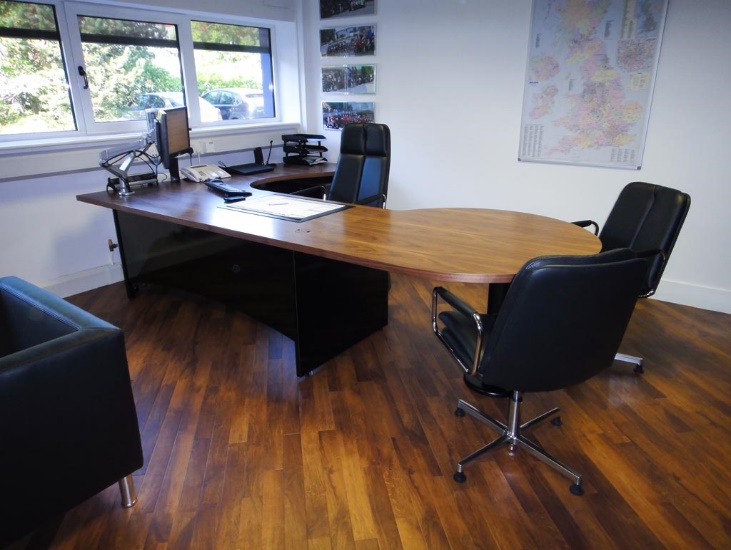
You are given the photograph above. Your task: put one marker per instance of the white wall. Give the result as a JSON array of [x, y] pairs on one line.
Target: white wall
[[450, 83]]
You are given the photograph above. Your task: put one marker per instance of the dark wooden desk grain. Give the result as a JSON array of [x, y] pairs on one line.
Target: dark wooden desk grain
[[447, 244]]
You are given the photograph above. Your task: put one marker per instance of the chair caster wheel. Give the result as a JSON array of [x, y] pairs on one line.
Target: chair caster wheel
[[459, 477], [576, 489], [557, 421], [459, 412], [638, 369]]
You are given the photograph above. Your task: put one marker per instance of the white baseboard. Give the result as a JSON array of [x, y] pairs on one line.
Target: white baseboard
[[714, 299], [85, 280]]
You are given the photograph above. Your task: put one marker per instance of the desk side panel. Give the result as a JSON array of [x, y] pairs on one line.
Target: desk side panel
[[254, 278]]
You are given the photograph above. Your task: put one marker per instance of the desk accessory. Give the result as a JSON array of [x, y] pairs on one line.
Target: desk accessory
[[228, 191], [300, 149]]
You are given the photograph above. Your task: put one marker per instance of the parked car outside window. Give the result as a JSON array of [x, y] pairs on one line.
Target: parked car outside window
[[168, 100], [237, 103]]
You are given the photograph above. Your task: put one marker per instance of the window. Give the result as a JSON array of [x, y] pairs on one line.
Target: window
[[34, 94], [90, 68], [123, 60], [234, 69]]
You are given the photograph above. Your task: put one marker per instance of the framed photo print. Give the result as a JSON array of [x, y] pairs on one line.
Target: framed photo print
[[348, 41], [349, 79], [346, 8], [336, 114]]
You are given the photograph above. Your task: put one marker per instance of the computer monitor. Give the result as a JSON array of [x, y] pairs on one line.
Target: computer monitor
[[173, 138]]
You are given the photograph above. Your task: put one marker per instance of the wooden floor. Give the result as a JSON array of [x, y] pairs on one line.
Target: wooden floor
[[240, 453]]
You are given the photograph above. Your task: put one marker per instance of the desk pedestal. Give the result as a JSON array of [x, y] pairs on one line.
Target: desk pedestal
[[324, 306]]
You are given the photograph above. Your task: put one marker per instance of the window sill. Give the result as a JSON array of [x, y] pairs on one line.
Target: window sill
[[43, 157]]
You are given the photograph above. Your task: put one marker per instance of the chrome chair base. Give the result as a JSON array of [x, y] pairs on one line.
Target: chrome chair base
[[127, 488], [511, 435], [636, 361]]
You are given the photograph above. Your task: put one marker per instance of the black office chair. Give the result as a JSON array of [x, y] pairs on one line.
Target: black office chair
[[362, 171], [646, 218], [561, 323], [361, 176]]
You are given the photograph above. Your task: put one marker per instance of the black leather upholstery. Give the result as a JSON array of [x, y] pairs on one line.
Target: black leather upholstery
[[362, 172], [646, 218], [561, 323], [68, 423]]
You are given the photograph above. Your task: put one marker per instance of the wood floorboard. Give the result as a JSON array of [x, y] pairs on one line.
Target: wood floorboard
[[240, 453]]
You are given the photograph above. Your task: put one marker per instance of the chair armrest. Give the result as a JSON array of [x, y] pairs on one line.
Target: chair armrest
[[653, 266], [650, 253], [316, 192], [32, 315], [455, 301], [468, 312], [588, 223], [380, 199]]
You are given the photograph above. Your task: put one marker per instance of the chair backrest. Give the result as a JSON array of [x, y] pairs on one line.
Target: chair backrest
[[562, 320], [361, 175], [646, 217]]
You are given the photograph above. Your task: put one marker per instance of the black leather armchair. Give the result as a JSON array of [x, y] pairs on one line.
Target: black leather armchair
[[362, 172], [561, 323], [646, 218], [68, 424]]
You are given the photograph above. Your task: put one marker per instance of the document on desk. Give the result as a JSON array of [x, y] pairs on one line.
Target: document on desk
[[286, 207]]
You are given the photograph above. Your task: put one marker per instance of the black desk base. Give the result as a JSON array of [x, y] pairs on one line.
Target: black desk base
[[324, 306]]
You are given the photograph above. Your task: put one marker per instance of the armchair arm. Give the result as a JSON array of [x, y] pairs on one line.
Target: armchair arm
[[380, 199], [466, 311], [656, 258], [588, 223], [317, 192], [455, 301], [650, 253]]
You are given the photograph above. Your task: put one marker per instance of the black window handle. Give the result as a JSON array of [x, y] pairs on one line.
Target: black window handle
[[82, 72]]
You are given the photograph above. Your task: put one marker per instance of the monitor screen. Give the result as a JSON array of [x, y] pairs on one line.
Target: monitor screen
[[173, 138]]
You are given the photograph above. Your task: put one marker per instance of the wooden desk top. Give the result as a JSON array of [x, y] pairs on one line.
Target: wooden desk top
[[445, 244]]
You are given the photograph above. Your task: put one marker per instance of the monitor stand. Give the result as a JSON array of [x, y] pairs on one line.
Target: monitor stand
[[174, 170]]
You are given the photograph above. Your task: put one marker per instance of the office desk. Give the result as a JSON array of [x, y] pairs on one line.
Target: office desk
[[321, 282]]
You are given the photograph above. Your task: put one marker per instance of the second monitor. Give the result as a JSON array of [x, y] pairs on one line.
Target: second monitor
[[173, 138]]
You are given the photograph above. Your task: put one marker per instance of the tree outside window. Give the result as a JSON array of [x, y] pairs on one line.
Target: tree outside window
[[34, 93], [116, 62]]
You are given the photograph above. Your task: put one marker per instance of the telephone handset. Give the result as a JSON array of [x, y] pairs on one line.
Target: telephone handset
[[203, 172]]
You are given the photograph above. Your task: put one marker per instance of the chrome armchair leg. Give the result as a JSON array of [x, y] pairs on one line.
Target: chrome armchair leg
[[636, 361], [127, 488]]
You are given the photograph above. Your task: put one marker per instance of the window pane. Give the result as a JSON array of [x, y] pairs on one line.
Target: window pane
[[238, 61], [127, 60], [34, 93]]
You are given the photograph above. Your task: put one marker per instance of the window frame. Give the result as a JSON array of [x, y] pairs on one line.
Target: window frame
[[67, 13], [63, 38]]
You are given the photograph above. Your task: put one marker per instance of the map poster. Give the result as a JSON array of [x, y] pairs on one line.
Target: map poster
[[589, 81]]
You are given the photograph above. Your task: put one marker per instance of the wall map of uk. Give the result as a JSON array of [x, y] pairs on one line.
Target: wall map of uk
[[589, 81]]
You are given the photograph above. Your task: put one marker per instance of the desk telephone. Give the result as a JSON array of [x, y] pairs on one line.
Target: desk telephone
[[203, 172]]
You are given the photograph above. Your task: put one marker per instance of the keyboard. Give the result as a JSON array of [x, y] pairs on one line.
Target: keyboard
[[228, 191], [249, 169]]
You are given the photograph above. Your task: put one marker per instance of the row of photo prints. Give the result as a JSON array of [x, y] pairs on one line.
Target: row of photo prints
[[336, 114], [347, 41], [332, 9]]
